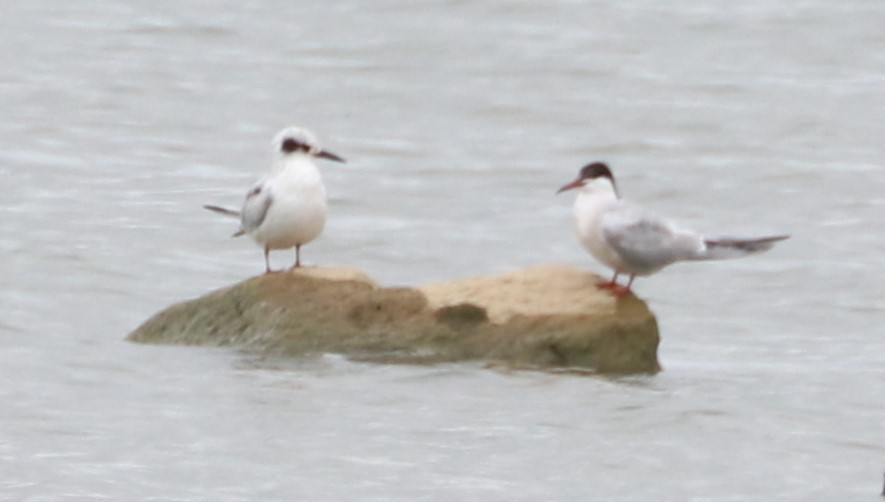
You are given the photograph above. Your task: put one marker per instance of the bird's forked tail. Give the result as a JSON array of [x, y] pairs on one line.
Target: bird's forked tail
[[729, 247]]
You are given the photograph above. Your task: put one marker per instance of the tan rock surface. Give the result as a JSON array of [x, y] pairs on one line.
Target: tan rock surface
[[541, 290], [546, 316]]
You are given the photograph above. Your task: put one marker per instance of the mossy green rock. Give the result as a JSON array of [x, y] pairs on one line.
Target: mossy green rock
[[546, 316]]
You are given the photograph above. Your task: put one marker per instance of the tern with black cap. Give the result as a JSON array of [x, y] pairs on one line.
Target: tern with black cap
[[287, 207], [630, 240]]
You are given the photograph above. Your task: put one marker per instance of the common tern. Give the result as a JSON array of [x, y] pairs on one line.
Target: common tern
[[631, 240], [287, 207]]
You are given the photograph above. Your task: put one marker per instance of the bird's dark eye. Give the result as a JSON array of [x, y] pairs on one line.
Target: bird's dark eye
[[292, 145]]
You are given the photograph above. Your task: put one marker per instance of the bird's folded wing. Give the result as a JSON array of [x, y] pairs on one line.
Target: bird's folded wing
[[258, 201], [647, 242]]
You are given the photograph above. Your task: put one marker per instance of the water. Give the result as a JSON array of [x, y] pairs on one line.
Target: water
[[460, 120]]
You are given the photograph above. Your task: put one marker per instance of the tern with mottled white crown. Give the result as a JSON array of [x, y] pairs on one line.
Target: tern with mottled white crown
[[630, 240], [287, 207]]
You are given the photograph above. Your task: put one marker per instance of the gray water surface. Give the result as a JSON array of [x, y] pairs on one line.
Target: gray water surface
[[459, 120]]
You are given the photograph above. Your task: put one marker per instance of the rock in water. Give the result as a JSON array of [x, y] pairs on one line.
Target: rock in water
[[545, 316]]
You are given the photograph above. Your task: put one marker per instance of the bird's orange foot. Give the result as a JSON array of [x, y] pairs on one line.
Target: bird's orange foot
[[621, 291], [608, 285]]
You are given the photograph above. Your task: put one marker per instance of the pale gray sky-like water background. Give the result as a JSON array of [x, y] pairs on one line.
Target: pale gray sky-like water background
[[459, 120]]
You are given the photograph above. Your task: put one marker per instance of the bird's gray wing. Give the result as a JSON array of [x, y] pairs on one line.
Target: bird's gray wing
[[258, 201], [647, 242], [222, 210]]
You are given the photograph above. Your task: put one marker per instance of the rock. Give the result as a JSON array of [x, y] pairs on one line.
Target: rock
[[545, 316]]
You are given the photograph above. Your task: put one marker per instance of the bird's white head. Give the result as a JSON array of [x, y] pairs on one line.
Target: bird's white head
[[593, 178], [300, 141]]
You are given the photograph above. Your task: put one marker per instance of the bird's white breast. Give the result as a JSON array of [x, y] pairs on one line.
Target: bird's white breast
[[589, 209], [297, 214]]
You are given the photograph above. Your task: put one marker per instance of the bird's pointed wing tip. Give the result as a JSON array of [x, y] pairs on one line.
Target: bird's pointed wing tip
[[221, 210]]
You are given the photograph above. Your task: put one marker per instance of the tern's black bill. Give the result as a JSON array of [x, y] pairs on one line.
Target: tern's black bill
[[329, 155]]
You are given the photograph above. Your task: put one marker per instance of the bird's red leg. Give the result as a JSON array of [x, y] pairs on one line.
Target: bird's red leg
[[612, 284], [621, 292]]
